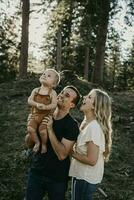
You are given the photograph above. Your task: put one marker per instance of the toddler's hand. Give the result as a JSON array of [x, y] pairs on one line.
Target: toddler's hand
[[40, 106]]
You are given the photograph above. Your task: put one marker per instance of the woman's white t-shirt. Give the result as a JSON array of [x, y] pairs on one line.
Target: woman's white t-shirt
[[92, 174]]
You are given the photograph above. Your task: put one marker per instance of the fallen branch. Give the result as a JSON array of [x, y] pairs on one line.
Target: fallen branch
[[102, 192]]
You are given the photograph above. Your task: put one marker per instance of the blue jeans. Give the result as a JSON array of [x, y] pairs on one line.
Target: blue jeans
[[82, 190], [39, 185]]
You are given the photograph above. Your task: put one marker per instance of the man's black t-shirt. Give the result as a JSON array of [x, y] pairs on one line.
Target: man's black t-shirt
[[48, 164]]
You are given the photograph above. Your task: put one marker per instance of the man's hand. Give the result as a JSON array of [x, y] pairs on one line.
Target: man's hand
[[48, 121]]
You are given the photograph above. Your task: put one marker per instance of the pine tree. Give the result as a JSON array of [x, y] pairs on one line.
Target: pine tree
[[8, 48], [24, 39]]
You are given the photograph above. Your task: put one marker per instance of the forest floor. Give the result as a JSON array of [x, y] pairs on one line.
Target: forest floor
[[118, 181]]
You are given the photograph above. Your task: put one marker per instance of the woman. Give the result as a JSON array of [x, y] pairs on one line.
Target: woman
[[93, 145]]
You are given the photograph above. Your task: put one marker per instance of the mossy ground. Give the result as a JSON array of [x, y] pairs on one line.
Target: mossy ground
[[118, 181]]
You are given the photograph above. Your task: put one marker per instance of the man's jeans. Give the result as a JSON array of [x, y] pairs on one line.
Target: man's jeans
[[39, 185], [82, 190]]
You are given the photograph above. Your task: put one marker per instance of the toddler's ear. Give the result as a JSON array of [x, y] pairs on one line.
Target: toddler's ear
[[54, 85], [72, 105]]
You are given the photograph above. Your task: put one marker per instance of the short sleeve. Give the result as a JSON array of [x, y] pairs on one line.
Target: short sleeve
[[71, 130], [94, 133]]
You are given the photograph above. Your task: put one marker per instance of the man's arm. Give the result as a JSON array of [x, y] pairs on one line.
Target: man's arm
[[61, 148]]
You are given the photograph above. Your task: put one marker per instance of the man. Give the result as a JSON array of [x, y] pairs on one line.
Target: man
[[49, 171]]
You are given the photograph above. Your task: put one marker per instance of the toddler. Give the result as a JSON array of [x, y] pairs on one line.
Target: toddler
[[43, 101]]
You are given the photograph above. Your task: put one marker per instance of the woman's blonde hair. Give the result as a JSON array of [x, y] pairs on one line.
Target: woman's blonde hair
[[102, 110]]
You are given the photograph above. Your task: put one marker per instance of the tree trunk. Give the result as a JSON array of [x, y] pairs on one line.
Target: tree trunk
[[114, 66], [101, 41], [86, 63], [24, 39], [68, 33], [125, 78], [59, 50], [59, 39]]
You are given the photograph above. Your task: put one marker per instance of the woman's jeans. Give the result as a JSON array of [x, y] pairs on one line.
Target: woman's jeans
[[82, 190], [39, 185]]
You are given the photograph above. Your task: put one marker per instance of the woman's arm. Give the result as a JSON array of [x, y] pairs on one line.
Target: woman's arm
[[91, 157]]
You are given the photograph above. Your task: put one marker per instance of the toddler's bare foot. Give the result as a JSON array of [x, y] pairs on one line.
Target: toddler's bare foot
[[36, 147], [43, 148]]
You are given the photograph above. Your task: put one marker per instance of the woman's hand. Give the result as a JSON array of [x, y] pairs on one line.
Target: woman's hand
[[73, 153], [91, 157]]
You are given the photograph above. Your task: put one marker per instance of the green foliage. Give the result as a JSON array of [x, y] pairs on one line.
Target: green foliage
[[77, 22], [126, 75], [112, 60], [8, 49], [118, 72], [129, 17]]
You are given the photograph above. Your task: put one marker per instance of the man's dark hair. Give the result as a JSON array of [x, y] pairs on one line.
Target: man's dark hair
[[78, 96]]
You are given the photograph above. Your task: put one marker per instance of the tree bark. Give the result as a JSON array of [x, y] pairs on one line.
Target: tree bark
[[24, 39], [113, 74], [101, 41], [86, 63], [59, 50]]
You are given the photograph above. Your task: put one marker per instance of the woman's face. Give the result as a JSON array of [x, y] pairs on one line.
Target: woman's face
[[88, 102]]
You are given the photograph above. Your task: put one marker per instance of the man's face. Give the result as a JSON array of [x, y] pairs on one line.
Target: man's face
[[66, 97]]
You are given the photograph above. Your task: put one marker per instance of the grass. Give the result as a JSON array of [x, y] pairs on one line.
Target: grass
[[118, 181]]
